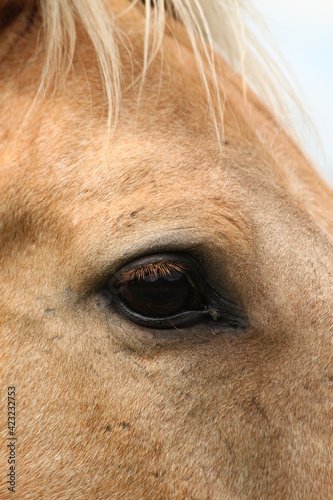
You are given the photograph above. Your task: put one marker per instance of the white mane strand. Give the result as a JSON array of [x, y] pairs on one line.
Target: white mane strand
[[211, 25]]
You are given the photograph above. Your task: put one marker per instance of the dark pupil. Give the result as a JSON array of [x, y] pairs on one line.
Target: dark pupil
[[158, 296]]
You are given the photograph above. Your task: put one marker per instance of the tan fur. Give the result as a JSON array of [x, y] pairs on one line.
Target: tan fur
[[108, 409]]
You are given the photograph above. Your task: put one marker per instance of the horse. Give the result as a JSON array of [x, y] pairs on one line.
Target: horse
[[166, 260]]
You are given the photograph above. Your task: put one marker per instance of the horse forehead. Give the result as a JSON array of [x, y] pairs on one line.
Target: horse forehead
[[141, 173], [167, 118], [171, 96]]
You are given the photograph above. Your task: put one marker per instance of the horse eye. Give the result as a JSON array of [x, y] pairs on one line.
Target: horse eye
[[170, 291], [160, 295], [160, 292]]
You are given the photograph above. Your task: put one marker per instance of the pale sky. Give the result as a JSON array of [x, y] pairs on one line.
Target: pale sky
[[303, 30]]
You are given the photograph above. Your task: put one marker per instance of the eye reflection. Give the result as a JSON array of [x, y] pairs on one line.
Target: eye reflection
[[158, 290]]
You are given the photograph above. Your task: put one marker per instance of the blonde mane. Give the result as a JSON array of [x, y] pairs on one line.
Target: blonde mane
[[220, 25]]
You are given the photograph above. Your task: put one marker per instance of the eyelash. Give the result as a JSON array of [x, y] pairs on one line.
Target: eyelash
[[154, 269]]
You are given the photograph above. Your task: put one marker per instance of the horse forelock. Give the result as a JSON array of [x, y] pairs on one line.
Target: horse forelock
[[211, 25]]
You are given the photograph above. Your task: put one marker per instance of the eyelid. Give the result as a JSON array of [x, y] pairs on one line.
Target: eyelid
[[180, 320]]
